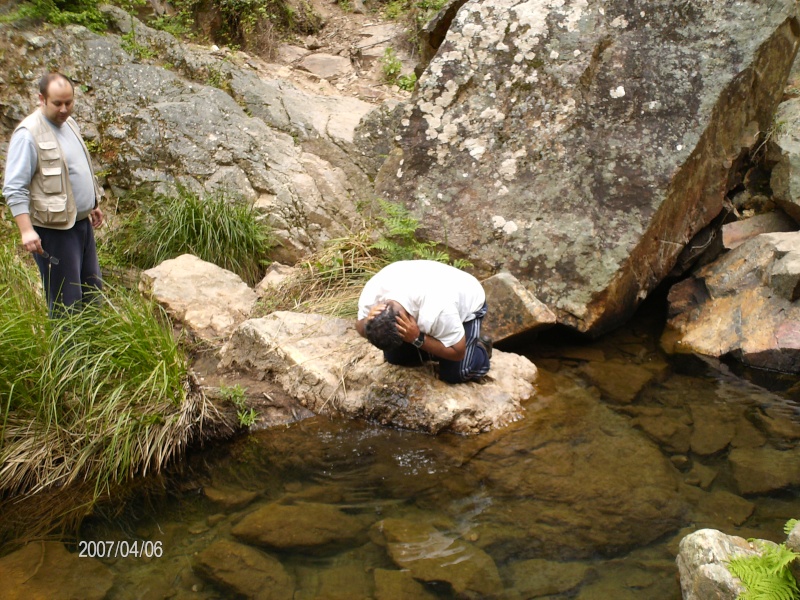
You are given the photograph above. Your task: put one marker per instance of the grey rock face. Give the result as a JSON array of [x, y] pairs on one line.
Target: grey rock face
[[580, 144], [785, 148], [203, 119]]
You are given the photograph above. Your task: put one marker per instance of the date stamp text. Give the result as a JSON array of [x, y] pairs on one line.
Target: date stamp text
[[120, 549]]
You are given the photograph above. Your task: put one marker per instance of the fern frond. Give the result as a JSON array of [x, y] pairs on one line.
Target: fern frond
[[766, 576], [790, 524]]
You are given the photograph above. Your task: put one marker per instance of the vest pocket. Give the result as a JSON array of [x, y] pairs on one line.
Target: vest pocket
[[52, 211], [49, 151], [51, 180]]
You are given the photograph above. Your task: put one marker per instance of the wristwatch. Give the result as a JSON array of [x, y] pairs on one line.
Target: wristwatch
[[419, 341]]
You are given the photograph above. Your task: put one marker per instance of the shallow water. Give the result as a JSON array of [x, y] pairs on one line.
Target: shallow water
[[587, 497]]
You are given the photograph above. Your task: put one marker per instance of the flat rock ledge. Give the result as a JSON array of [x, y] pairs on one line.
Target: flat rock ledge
[[324, 363], [209, 300]]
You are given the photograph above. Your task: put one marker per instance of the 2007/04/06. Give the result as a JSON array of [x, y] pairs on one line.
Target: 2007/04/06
[[120, 549]]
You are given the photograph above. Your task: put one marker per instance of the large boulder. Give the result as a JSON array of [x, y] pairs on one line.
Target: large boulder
[[513, 308], [743, 305], [324, 363], [580, 145]]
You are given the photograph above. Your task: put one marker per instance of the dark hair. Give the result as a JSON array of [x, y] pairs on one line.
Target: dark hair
[[49, 78], [381, 331]]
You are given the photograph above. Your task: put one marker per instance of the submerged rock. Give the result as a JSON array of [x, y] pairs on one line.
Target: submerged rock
[[244, 571], [435, 556], [48, 570], [394, 584], [575, 481], [324, 363], [764, 470], [536, 577], [580, 145], [307, 526], [743, 305]]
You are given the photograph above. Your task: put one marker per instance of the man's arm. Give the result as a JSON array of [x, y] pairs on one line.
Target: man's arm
[[21, 164], [409, 330]]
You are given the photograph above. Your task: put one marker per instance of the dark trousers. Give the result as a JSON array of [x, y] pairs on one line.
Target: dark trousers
[[474, 365], [71, 282]]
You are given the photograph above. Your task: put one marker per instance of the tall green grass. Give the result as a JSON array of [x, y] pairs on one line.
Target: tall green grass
[[97, 396], [226, 233]]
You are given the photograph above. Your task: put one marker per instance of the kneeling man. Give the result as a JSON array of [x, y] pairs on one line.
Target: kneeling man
[[418, 310]]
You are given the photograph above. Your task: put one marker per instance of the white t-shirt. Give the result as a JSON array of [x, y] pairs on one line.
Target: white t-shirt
[[440, 297]]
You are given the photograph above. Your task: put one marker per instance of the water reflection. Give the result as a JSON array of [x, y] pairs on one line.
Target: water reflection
[[619, 456]]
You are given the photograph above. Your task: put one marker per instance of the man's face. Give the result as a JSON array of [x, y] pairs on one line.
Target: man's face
[[58, 104]]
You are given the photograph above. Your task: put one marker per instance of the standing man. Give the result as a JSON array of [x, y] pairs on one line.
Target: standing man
[[417, 310], [53, 195]]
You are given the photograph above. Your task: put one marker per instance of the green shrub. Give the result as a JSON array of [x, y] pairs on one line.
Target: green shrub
[[62, 12], [134, 48], [391, 66], [253, 25], [407, 82], [226, 233]]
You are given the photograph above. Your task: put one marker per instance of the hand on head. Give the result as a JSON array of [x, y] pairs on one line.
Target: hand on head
[[407, 326], [376, 310]]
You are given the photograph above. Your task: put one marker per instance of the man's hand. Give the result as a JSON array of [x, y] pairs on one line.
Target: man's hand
[[373, 312], [96, 217], [407, 327], [30, 239], [32, 242]]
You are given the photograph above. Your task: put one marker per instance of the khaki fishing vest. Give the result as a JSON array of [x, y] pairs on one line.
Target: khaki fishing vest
[[51, 202]]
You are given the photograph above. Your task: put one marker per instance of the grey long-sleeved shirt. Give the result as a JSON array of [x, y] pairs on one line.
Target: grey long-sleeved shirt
[[21, 164]]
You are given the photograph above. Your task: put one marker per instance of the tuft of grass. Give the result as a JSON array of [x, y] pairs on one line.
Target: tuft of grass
[[95, 397], [330, 281], [228, 234]]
